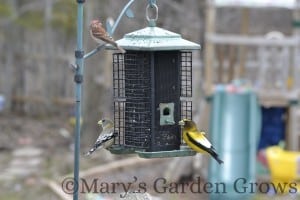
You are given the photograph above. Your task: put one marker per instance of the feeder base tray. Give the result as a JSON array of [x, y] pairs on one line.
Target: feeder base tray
[[184, 151], [121, 150]]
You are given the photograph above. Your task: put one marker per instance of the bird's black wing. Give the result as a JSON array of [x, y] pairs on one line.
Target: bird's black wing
[[198, 144], [101, 140], [210, 150], [104, 138]]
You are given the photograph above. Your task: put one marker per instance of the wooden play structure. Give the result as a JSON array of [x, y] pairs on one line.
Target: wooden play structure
[[270, 62]]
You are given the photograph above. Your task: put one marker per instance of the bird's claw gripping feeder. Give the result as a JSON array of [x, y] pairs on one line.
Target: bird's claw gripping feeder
[[152, 86]]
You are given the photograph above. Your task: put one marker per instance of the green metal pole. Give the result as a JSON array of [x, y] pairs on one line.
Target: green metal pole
[[78, 78]]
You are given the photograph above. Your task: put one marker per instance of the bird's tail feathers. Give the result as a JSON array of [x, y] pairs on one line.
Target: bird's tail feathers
[[219, 160], [216, 157], [92, 150]]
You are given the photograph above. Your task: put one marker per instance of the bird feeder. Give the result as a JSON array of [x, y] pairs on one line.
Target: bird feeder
[[152, 87]]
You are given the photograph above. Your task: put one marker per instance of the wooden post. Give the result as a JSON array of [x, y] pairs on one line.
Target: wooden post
[[243, 49], [296, 33], [220, 56], [209, 47], [232, 61], [292, 137]]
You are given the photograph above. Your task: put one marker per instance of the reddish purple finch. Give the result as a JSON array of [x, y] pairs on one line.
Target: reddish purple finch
[[99, 34]]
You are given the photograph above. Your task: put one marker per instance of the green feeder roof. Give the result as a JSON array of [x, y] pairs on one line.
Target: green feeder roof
[[155, 39]]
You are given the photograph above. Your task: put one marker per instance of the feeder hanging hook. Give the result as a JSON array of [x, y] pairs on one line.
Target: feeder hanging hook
[[152, 5]]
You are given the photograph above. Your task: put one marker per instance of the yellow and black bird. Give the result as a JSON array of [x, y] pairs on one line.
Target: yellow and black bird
[[197, 140], [105, 138]]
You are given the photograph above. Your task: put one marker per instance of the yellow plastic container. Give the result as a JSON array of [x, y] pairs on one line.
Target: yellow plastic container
[[285, 169]]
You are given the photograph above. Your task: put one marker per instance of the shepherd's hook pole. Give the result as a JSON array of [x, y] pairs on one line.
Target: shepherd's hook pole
[[78, 78]]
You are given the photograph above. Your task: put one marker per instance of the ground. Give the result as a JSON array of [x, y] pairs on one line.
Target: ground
[[33, 150]]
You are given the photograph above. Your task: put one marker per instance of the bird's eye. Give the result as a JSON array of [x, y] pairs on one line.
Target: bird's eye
[[103, 120]]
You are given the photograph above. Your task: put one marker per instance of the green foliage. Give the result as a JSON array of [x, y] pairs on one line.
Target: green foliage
[[64, 16], [32, 20], [5, 10]]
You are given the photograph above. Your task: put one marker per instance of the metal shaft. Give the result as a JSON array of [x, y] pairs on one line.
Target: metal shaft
[[78, 80], [80, 57]]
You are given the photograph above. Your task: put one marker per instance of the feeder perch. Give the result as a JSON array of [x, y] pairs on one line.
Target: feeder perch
[[152, 86]]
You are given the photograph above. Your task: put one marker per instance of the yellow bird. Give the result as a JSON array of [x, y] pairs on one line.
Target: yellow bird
[[197, 140]]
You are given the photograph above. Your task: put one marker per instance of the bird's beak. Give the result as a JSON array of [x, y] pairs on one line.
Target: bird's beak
[[100, 123], [181, 123]]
